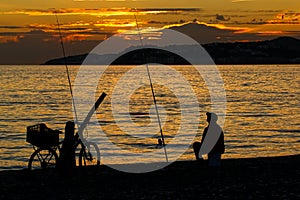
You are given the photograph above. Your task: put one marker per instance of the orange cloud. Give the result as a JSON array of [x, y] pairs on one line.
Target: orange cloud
[[271, 32], [100, 11], [286, 18], [115, 23], [241, 1], [74, 31]]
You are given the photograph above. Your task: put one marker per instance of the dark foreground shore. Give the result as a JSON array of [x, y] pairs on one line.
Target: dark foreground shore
[[252, 178]]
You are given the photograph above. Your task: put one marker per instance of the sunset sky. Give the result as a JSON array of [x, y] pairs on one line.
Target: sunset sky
[[28, 29]]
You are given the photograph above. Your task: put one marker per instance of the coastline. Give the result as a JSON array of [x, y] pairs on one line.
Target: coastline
[[281, 50], [244, 178]]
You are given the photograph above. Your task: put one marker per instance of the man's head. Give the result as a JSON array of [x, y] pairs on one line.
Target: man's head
[[69, 128], [211, 117]]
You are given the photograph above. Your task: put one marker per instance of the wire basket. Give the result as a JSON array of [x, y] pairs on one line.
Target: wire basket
[[40, 135]]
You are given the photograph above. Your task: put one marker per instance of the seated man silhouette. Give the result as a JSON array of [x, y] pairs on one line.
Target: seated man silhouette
[[214, 156]]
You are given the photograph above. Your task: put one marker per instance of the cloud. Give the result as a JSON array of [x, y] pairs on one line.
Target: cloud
[[286, 18], [106, 0], [88, 26], [241, 1], [221, 18], [100, 11], [210, 33], [11, 27], [165, 23], [36, 47], [171, 9], [104, 19], [71, 11]]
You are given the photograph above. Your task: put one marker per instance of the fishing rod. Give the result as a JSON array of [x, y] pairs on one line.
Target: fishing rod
[[67, 69], [83, 125], [153, 93]]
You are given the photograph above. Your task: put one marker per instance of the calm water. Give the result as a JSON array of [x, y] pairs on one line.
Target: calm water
[[262, 116]]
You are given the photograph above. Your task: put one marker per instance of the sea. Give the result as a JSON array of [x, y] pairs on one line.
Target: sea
[[261, 115]]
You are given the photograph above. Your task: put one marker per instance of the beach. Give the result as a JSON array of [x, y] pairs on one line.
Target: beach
[[247, 178]]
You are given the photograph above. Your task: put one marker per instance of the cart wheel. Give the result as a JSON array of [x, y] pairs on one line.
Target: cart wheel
[[89, 155], [42, 158]]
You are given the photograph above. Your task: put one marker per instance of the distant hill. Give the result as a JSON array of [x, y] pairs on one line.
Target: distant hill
[[283, 50]]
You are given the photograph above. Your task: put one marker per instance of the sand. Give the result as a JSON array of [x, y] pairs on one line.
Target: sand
[[250, 178]]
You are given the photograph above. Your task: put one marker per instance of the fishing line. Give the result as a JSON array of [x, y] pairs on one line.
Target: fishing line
[[153, 93], [67, 69]]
